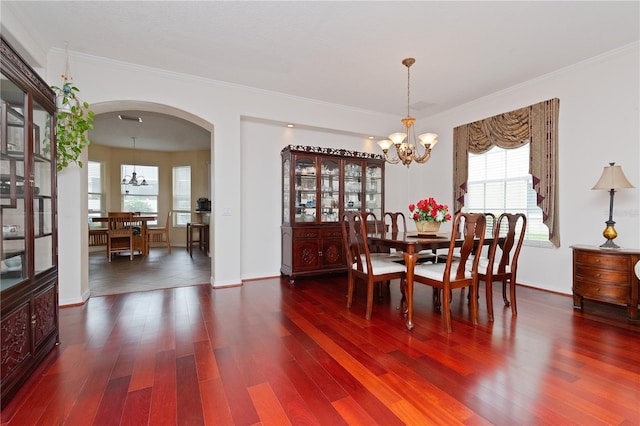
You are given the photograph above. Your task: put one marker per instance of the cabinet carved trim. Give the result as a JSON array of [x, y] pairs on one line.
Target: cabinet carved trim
[[46, 310], [15, 339]]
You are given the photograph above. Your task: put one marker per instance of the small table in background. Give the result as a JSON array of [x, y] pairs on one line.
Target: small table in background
[[203, 237]]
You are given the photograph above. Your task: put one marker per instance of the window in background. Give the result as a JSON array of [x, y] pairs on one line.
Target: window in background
[[181, 195], [96, 194], [143, 199], [499, 182]]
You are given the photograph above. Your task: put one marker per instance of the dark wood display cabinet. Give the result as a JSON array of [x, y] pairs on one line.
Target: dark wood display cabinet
[[606, 275], [29, 271], [318, 186]]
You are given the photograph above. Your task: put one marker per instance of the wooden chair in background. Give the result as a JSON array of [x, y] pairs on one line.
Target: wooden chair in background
[[158, 234], [98, 237], [120, 234], [454, 273], [362, 265]]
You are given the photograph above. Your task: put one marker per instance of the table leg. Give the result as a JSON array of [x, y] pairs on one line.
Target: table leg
[[410, 260]]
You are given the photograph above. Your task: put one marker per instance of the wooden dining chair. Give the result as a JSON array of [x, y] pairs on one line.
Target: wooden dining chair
[[120, 234], [502, 265], [158, 234], [361, 265], [454, 272]]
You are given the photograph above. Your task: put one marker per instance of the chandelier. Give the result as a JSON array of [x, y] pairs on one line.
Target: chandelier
[[133, 180], [405, 142]]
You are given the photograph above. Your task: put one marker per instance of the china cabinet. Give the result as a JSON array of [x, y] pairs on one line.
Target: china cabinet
[[606, 275], [29, 274], [318, 186]]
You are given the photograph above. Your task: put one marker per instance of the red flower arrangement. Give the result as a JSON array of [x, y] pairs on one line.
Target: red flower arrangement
[[430, 211]]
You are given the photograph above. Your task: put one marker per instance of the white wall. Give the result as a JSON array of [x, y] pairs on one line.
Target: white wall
[[598, 123]]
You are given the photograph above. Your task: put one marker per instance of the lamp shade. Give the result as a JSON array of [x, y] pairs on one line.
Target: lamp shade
[[397, 138], [612, 178], [385, 144]]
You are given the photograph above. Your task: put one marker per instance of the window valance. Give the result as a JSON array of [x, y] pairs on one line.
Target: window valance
[[537, 125]]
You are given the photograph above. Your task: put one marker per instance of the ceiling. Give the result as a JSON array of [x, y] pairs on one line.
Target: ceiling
[[344, 52]]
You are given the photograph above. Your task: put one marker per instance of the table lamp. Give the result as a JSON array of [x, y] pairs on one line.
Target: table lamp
[[612, 178]]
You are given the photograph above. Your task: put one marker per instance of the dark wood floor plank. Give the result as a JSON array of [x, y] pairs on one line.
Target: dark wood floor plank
[[88, 400], [58, 408], [377, 408], [112, 403], [215, 406], [137, 408], [268, 406], [327, 384], [144, 367], [237, 395], [353, 413], [272, 353], [164, 391], [206, 365], [189, 401]]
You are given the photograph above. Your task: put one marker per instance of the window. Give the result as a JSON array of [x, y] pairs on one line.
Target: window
[[140, 198], [181, 195], [499, 182], [96, 195]]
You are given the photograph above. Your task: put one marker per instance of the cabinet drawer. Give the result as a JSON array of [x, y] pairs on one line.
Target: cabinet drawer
[[306, 233], [602, 260], [602, 276], [606, 292], [331, 233]]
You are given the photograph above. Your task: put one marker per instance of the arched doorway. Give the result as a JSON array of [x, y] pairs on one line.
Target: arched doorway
[[166, 139]]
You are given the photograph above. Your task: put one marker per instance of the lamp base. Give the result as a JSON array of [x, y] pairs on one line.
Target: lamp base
[[610, 233], [610, 244]]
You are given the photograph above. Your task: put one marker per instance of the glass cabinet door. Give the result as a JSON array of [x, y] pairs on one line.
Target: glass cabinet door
[[42, 190], [12, 185], [352, 186], [373, 190], [329, 190], [286, 190], [305, 189]]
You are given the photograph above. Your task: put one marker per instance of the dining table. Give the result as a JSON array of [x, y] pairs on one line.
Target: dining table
[[143, 219], [411, 244]]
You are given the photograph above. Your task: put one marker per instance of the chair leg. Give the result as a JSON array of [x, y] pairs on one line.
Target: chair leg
[[512, 285], [369, 299], [403, 302], [489, 289], [350, 289], [474, 303], [436, 299], [446, 308], [504, 293]]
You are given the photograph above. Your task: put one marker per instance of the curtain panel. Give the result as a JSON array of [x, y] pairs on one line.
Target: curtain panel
[[537, 125]]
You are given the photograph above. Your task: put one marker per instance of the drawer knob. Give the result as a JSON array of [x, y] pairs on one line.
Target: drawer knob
[[598, 260], [598, 275], [598, 289]]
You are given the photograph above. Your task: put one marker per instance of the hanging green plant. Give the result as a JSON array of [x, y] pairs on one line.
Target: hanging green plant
[[74, 120]]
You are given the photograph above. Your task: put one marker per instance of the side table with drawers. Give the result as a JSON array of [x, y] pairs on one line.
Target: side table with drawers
[[606, 275]]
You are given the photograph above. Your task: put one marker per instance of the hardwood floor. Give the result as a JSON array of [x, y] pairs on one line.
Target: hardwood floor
[[270, 354]]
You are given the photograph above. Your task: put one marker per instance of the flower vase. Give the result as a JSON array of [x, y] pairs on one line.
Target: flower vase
[[427, 227]]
